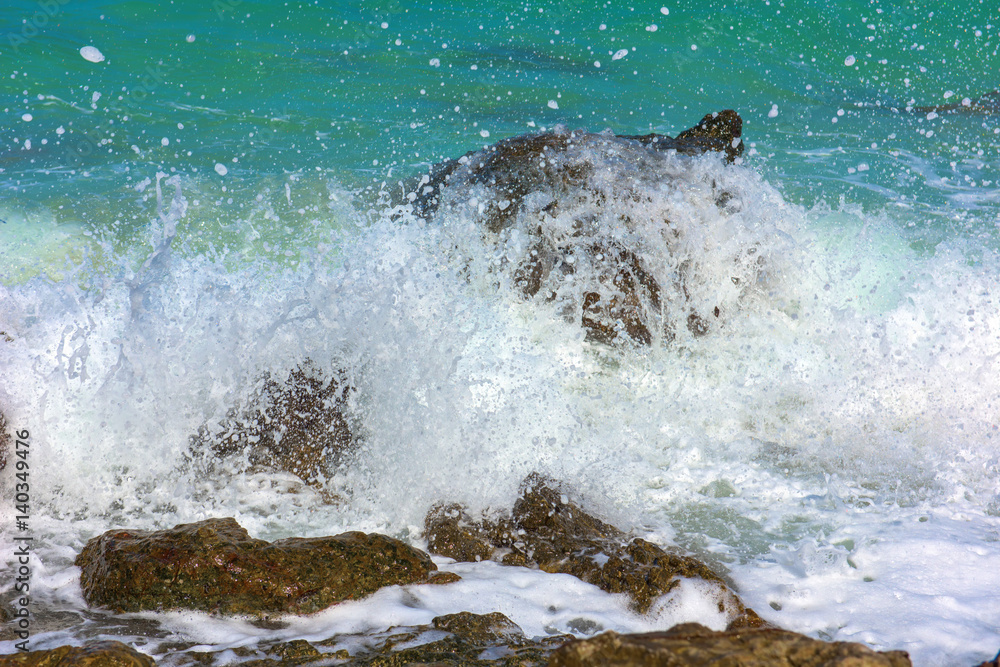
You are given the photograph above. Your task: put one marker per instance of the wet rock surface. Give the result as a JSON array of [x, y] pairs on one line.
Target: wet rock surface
[[454, 640], [516, 166], [215, 566], [471, 639], [493, 640], [297, 425], [571, 213], [690, 645], [546, 531], [93, 654]]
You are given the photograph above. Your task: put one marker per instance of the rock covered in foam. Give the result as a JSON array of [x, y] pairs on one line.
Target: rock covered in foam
[[472, 640], [463, 639], [297, 425], [215, 566], [515, 167], [92, 654], [546, 531], [692, 645], [571, 215]]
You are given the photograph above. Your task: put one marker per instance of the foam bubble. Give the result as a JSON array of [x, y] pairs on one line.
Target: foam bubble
[[92, 54]]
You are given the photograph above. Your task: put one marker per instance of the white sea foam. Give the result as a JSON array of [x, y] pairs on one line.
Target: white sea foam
[[799, 444], [92, 53]]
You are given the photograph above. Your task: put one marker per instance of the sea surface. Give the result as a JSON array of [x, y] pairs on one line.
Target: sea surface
[[194, 194]]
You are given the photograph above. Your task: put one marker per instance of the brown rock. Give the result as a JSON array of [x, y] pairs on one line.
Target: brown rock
[[443, 578], [532, 180], [214, 565], [452, 533], [546, 531], [296, 425], [92, 654], [516, 166], [995, 662], [690, 645], [295, 651], [488, 640], [478, 627]]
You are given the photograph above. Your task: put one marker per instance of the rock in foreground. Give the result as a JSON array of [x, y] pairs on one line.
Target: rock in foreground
[[691, 645], [216, 566], [546, 531], [489, 640], [93, 654]]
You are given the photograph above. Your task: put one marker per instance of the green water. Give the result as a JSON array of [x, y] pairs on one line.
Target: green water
[[867, 363], [267, 88]]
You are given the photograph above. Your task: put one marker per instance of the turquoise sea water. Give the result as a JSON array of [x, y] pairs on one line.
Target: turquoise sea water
[[197, 198]]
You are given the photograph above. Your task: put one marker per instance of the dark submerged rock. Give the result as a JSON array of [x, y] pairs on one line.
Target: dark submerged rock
[[531, 180], [215, 566], [987, 105], [297, 425], [546, 531], [690, 645], [92, 654]]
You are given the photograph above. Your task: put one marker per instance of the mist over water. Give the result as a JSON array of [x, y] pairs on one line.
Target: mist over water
[[190, 215]]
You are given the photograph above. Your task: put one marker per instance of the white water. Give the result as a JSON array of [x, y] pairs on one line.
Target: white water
[[832, 441]]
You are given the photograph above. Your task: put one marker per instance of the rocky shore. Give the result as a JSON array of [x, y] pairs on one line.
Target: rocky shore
[[302, 423], [215, 566]]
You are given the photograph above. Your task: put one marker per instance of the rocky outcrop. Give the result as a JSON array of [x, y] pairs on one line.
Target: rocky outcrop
[[691, 645], [546, 531], [92, 654], [215, 566], [297, 425], [517, 166], [569, 212]]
